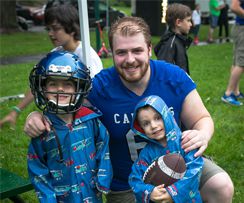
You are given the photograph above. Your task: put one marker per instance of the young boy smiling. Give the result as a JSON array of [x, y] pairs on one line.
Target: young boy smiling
[[70, 163], [153, 121]]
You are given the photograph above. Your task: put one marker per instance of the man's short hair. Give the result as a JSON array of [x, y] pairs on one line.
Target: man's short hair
[[130, 26]]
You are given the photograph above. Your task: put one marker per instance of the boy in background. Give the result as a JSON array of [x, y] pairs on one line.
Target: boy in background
[[153, 121], [71, 163], [175, 41]]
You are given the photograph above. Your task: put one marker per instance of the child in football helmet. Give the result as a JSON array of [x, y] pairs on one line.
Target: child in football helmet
[[64, 68], [70, 163]]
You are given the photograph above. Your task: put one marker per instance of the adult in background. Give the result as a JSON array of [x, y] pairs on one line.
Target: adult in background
[[232, 93], [224, 22], [62, 25], [117, 90], [214, 9]]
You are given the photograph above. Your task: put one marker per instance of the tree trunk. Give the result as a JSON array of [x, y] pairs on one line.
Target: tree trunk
[[8, 20]]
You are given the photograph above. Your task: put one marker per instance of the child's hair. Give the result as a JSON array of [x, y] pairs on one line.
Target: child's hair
[[130, 26], [197, 5], [176, 11], [65, 14], [146, 107]]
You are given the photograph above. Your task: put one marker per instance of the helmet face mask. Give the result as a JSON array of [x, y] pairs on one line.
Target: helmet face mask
[[62, 66]]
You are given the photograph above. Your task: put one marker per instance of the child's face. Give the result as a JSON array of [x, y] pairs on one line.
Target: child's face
[[152, 123], [58, 36], [60, 86], [183, 26]]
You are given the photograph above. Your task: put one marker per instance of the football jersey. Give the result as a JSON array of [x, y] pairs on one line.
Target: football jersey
[[117, 104]]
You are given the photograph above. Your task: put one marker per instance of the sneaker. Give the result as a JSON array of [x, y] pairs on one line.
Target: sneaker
[[239, 96], [231, 100]]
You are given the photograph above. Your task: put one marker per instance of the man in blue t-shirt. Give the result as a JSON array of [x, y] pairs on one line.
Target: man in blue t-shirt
[[118, 89]]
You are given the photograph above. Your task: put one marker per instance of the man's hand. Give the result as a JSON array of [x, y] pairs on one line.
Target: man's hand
[[194, 139], [36, 124], [199, 123]]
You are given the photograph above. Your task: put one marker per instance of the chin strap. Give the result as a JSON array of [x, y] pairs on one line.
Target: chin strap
[[60, 152]]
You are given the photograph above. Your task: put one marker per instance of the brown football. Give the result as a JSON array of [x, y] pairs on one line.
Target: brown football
[[165, 170]]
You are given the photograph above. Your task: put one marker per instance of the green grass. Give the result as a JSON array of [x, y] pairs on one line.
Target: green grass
[[209, 66]]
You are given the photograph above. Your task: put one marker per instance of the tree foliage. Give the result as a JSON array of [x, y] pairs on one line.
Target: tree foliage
[[8, 21]]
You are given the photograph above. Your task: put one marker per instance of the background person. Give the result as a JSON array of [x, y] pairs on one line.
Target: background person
[[196, 20], [224, 22], [214, 9], [232, 93], [71, 162], [153, 121], [62, 25], [117, 90], [174, 42]]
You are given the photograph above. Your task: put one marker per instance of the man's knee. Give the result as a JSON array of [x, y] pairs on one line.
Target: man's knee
[[218, 188]]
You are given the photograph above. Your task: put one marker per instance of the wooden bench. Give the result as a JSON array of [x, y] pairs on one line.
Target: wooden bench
[[11, 185]]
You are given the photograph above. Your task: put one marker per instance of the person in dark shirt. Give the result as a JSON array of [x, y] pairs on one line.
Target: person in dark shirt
[[223, 21], [174, 42]]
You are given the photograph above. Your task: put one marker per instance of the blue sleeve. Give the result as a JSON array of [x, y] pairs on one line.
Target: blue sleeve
[[105, 172], [141, 190], [187, 189], [39, 173]]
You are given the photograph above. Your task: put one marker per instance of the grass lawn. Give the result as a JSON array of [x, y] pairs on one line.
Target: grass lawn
[[209, 67]]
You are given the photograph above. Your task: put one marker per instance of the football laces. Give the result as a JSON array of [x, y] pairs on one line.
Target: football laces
[[148, 170]]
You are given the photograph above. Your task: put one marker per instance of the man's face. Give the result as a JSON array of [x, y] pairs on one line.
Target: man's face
[[131, 57]]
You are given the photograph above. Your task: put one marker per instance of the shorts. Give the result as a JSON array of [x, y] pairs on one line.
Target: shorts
[[238, 45], [213, 21], [209, 169], [121, 196]]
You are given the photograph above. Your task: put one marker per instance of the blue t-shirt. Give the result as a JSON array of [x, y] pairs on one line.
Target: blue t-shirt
[[240, 20], [117, 104]]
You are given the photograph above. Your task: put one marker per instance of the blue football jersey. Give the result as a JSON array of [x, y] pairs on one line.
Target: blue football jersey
[[117, 104]]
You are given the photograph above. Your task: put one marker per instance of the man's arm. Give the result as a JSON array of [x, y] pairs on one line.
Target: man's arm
[[195, 117], [236, 8]]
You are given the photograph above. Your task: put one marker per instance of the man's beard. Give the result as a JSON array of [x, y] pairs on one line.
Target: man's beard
[[131, 79]]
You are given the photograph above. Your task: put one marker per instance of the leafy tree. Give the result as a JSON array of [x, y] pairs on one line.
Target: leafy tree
[[8, 22]]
